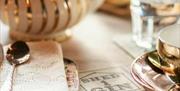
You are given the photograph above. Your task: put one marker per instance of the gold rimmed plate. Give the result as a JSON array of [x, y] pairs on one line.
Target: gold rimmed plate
[[147, 77], [140, 81]]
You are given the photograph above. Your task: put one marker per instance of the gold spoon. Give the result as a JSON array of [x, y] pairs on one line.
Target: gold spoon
[[157, 64], [17, 54], [154, 62], [72, 75]]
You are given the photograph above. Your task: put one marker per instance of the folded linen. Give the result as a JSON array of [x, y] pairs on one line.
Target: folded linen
[[43, 72]]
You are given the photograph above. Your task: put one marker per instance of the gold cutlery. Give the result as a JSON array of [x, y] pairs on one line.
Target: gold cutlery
[[17, 54]]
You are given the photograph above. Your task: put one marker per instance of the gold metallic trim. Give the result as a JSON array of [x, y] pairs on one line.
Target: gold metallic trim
[[6, 11], [57, 13], [9, 4], [29, 15], [44, 15], [16, 13], [68, 6], [6, 2], [88, 2], [80, 9]]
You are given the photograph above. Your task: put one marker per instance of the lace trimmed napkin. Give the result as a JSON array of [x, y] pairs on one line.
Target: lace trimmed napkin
[[43, 72]]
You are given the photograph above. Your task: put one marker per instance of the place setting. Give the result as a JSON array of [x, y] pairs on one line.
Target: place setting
[[32, 59], [18, 54], [160, 69], [60, 45]]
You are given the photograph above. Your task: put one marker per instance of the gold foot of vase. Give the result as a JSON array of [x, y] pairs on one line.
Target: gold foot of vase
[[60, 36]]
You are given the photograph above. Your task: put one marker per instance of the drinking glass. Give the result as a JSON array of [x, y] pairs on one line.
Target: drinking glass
[[149, 16]]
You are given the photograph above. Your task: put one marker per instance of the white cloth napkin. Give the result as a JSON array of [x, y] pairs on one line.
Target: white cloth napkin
[[43, 72]]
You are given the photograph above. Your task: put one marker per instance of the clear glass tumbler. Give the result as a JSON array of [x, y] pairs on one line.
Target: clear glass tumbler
[[149, 16]]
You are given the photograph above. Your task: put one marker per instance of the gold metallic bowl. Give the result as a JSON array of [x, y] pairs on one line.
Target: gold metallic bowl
[[44, 19]]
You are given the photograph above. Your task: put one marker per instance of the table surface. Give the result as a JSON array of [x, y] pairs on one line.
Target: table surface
[[92, 43], [92, 46]]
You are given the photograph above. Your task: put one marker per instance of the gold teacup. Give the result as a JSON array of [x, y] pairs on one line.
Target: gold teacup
[[168, 48]]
